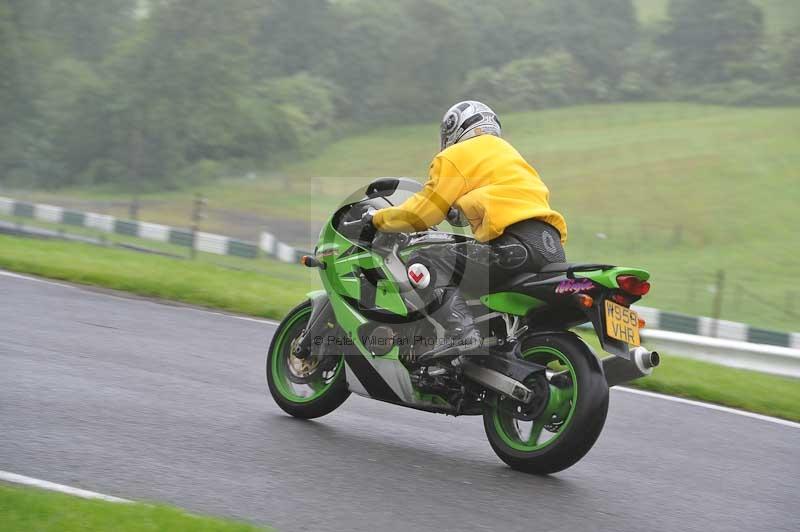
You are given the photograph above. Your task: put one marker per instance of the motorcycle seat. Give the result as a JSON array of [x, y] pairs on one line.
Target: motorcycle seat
[[548, 272]]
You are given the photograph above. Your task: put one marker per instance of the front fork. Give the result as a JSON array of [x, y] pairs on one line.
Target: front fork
[[321, 319]]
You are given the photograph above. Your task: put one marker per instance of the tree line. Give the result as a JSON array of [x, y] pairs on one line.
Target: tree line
[[162, 93]]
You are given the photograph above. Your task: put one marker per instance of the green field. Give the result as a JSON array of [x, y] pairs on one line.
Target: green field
[[683, 190], [27, 509], [279, 287]]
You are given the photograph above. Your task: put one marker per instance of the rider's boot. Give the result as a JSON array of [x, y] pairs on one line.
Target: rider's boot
[[460, 332]]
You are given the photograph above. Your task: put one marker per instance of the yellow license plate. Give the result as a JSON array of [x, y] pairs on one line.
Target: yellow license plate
[[622, 323]]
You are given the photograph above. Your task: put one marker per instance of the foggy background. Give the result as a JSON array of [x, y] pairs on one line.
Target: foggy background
[[666, 130]]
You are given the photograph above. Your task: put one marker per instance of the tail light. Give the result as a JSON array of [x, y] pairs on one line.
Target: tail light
[[621, 299], [633, 285]]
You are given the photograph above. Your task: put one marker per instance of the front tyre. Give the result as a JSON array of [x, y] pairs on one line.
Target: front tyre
[[569, 423], [306, 388]]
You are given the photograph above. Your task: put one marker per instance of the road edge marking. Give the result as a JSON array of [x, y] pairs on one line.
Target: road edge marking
[[14, 275], [136, 297], [710, 406], [52, 486]]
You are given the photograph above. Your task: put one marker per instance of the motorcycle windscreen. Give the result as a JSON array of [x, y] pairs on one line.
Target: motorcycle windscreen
[[395, 190]]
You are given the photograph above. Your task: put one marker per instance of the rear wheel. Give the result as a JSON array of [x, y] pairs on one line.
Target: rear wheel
[[305, 388], [567, 425]]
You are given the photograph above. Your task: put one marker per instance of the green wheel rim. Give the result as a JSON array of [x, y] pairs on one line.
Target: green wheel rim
[[562, 403], [278, 357]]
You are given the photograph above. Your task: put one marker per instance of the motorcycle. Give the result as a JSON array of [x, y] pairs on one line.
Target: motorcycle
[[540, 388]]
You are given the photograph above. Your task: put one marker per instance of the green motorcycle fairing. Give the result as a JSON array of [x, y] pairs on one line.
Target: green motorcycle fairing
[[358, 281]]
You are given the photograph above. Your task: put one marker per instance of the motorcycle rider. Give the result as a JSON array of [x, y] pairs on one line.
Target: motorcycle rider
[[505, 202]]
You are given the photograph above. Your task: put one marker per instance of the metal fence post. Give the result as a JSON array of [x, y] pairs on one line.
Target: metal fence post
[[716, 311], [198, 214]]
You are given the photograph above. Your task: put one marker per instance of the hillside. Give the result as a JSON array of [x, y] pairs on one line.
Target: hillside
[[683, 190]]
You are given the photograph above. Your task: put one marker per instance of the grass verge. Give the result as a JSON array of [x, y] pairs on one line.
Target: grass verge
[[278, 287], [268, 292], [762, 393], [24, 508], [737, 388]]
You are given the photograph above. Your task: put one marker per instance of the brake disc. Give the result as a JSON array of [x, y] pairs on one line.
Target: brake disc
[[301, 370]]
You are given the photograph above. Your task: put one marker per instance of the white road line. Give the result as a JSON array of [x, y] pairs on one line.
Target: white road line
[[52, 486], [34, 279], [710, 406], [244, 318], [140, 298]]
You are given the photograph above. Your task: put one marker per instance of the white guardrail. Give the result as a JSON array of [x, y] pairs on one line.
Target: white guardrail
[[783, 361], [268, 246]]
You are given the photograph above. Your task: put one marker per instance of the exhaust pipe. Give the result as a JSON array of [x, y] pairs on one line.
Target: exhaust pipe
[[619, 370]]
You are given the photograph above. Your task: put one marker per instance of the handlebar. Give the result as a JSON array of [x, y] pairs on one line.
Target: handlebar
[[348, 225], [364, 223], [366, 217]]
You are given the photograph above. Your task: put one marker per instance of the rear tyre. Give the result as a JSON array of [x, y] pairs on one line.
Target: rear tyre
[[303, 388], [570, 422]]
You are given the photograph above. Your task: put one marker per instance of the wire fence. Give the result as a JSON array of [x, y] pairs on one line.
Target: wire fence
[[701, 271]]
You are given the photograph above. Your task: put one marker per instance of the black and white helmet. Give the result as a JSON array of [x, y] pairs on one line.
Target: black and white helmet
[[466, 120]]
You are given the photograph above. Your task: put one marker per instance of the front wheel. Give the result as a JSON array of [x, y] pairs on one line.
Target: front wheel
[[566, 427], [305, 388]]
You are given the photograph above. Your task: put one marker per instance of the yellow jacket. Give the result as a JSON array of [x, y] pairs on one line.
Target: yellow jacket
[[488, 180]]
